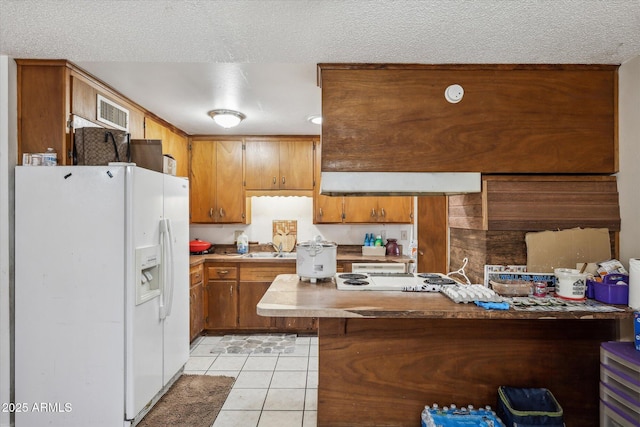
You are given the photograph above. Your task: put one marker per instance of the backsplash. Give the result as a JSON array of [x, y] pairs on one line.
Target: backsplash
[[267, 209]]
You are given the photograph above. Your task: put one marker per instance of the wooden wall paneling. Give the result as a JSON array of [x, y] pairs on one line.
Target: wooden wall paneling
[[42, 109], [532, 202], [384, 371], [512, 119], [551, 203], [482, 247], [84, 96], [495, 247], [173, 143], [432, 235], [467, 211]]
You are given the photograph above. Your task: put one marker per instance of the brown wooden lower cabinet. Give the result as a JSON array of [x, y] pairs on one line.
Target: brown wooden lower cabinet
[[232, 292], [196, 301], [222, 305], [221, 296], [250, 294]]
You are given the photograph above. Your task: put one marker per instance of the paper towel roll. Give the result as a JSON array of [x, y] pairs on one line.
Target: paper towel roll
[[634, 283]]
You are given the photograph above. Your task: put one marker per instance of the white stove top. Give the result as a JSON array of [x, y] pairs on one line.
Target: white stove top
[[392, 281]]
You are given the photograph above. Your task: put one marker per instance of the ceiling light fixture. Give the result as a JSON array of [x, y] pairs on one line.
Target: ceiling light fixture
[[315, 119], [227, 118]]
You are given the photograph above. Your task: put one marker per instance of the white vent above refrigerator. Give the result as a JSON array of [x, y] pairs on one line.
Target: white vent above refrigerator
[[112, 114]]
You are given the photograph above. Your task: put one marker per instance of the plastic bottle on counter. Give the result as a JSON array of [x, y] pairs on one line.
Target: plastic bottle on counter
[[50, 158], [243, 243], [378, 241]]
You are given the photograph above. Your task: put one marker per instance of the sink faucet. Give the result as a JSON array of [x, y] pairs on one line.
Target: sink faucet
[[277, 247]]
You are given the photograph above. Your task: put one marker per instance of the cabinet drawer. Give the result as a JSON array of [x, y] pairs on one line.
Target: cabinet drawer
[[261, 273], [196, 273], [222, 273]]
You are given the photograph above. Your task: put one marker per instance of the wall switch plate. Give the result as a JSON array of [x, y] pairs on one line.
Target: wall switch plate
[[403, 235]]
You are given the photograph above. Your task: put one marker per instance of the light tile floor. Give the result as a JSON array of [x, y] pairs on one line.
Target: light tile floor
[[279, 390]]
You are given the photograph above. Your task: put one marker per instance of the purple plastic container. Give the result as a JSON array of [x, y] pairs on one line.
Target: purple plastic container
[[610, 291]]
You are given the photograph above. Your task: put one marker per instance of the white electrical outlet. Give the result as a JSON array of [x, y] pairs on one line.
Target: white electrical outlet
[[403, 235]]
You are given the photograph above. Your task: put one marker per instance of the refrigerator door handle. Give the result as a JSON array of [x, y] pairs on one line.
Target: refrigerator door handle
[[166, 298]]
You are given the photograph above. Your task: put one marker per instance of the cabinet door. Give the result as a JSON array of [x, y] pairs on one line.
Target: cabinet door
[[262, 162], [360, 209], [296, 164], [395, 209], [222, 303], [196, 311], [250, 294], [202, 185], [327, 209], [230, 200]]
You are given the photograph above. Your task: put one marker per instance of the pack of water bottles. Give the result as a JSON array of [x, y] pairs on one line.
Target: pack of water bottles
[[452, 416]]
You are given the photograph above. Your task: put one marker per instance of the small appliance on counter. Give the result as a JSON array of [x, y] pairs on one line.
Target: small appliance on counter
[[200, 247], [316, 259]]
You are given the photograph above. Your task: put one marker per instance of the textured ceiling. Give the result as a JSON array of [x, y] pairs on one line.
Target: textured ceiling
[[182, 58]]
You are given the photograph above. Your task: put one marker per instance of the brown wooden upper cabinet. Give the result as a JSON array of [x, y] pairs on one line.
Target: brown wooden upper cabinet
[[511, 119], [279, 163], [217, 195], [386, 209], [174, 143]]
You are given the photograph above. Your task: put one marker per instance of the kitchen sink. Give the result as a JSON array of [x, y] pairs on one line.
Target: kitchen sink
[[286, 255], [270, 255]]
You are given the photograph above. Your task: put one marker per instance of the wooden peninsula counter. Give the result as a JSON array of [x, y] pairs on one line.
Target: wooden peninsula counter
[[383, 356]]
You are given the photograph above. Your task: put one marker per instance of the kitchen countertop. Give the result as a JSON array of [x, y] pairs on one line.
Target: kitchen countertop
[[347, 257], [289, 297]]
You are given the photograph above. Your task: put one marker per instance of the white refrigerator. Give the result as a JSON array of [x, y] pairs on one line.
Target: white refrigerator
[[101, 292]]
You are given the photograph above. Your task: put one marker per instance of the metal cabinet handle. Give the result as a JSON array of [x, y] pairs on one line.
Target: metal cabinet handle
[[320, 212], [283, 179], [211, 213], [373, 213], [274, 180], [223, 272], [382, 212], [221, 213], [231, 290]]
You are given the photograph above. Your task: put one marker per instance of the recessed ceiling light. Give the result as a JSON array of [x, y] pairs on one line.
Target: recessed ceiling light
[[227, 118], [315, 119]]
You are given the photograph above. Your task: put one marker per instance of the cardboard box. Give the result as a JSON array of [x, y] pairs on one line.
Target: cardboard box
[[374, 251], [548, 250], [147, 153], [169, 165]]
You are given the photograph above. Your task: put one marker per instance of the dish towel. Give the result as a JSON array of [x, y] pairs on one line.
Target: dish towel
[[493, 305]]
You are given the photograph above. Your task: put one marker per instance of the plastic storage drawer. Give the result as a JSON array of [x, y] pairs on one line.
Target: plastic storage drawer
[[619, 384]]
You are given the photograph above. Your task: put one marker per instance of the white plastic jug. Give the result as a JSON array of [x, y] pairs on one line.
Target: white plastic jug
[[243, 243], [571, 283]]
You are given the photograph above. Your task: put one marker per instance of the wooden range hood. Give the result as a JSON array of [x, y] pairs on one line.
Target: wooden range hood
[[517, 119]]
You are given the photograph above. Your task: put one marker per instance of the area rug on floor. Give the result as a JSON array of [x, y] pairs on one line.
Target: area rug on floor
[[248, 344], [192, 401]]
